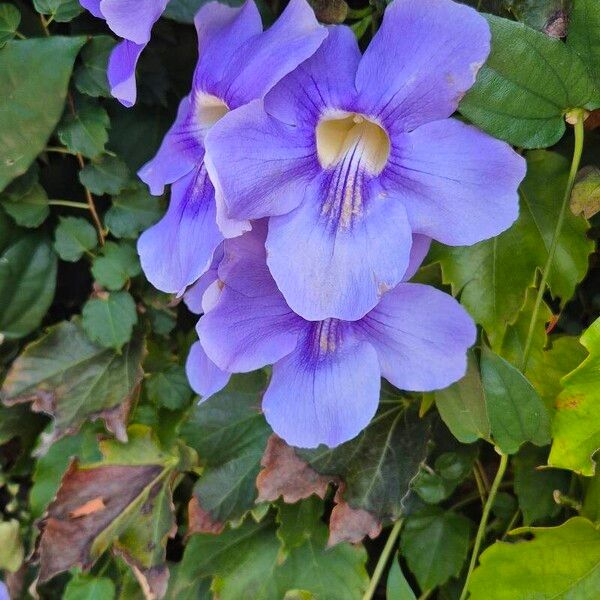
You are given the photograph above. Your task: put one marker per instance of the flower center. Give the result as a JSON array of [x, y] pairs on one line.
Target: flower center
[[352, 133], [209, 110], [325, 337]]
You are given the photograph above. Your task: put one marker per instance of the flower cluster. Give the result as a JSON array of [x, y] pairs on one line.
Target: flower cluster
[[307, 183], [131, 20]]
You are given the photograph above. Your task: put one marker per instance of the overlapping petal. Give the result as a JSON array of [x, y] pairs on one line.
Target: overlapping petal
[[132, 19], [121, 71], [204, 376]]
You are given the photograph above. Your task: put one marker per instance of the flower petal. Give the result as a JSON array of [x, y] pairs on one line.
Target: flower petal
[[324, 81], [92, 6], [204, 376], [251, 325], [418, 252], [132, 19], [179, 248], [421, 336], [336, 254], [180, 151], [121, 71], [264, 59], [459, 185], [260, 166], [323, 397], [193, 296], [422, 60]]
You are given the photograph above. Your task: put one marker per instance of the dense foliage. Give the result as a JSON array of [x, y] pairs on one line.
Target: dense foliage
[[115, 482]]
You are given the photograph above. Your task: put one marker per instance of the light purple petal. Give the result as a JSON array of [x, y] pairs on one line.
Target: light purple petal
[[336, 254], [260, 165], [121, 71], [181, 150], [132, 19], [418, 252], [263, 60], [422, 60], [324, 81], [204, 376], [193, 296], [326, 391], [459, 185], [251, 326], [93, 6], [421, 336], [177, 250]]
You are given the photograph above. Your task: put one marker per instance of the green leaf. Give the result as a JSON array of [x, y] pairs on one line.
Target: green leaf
[[184, 11], [11, 546], [230, 434], [517, 413], [397, 587], [526, 86], [73, 237], [576, 425], [108, 319], [10, 18], [27, 279], [117, 264], [533, 487], [585, 198], [89, 587], [169, 388], [90, 77], [492, 278], [67, 376], [380, 463], [584, 36], [297, 521], [540, 14], [132, 211], [86, 131], [32, 97], [559, 562], [29, 210], [107, 175], [462, 406], [61, 11], [435, 544]]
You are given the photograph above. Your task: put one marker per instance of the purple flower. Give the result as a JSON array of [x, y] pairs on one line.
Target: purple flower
[[326, 374], [3, 592], [238, 63], [349, 154], [131, 20]]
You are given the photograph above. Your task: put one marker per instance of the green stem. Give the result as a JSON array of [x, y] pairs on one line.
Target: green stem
[[58, 149], [484, 519], [68, 203], [359, 13], [19, 35], [383, 560], [579, 135]]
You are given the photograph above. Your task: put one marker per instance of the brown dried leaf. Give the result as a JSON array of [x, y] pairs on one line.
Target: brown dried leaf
[[286, 475], [88, 508], [348, 524], [200, 520]]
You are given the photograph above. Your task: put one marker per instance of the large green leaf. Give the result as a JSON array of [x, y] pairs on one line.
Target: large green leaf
[[32, 98], [88, 587], [379, 464], [27, 279], [69, 377], [90, 77], [230, 434], [492, 277], [584, 35], [576, 426], [526, 86], [558, 563]]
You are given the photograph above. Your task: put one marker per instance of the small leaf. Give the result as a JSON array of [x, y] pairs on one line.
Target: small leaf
[[584, 36], [73, 237], [435, 544], [585, 198], [117, 264], [107, 175], [62, 11], [397, 587], [88, 587], [86, 131], [90, 77], [72, 379], [32, 98], [576, 425], [132, 211], [10, 18], [30, 209], [11, 546], [109, 318], [528, 83], [558, 561], [516, 411], [169, 388]]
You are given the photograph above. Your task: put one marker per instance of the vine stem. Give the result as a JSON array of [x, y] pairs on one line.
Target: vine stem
[[484, 519], [383, 560], [68, 203], [579, 135]]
